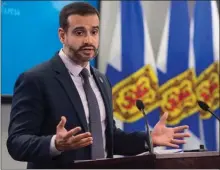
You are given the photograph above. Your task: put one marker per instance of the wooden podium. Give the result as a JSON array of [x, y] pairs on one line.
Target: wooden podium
[[185, 160]]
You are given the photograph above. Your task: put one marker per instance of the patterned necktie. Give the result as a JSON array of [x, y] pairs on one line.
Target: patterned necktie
[[94, 118]]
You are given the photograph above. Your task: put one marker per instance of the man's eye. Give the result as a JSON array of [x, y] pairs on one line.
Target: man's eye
[[94, 32], [79, 33]]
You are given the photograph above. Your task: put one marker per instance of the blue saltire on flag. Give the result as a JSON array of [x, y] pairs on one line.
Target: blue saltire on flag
[[173, 59], [132, 50], [205, 56]]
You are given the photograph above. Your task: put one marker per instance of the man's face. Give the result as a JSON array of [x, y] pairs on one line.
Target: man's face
[[82, 37]]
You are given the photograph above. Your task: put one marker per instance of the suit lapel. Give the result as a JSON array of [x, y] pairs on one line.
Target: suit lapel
[[66, 82]]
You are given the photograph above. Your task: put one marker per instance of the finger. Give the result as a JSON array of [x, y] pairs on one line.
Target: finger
[[70, 144], [71, 133], [164, 117], [62, 123], [85, 144], [81, 136], [180, 128], [181, 135], [84, 140], [172, 145], [177, 141]]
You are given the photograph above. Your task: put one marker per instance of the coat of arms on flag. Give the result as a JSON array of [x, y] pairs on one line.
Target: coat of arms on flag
[[208, 88], [143, 85], [177, 96]]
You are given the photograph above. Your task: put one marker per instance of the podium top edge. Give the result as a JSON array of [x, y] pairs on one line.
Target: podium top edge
[[189, 154]]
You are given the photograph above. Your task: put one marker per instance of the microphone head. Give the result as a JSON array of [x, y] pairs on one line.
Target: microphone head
[[140, 104], [203, 105]]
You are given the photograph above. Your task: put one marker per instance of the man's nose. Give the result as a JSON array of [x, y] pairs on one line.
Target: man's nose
[[88, 39]]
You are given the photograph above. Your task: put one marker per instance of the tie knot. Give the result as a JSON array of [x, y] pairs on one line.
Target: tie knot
[[85, 73]]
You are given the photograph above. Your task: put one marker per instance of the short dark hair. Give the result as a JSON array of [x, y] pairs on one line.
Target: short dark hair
[[78, 8]]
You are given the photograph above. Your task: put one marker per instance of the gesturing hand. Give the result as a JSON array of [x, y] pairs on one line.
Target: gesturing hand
[[67, 140], [164, 136]]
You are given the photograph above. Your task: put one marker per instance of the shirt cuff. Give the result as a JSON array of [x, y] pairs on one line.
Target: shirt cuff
[[53, 149]]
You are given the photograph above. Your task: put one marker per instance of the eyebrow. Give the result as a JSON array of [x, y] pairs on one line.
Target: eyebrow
[[97, 27], [80, 28]]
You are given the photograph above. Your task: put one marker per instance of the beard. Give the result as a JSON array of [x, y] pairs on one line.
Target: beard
[[76, 56]]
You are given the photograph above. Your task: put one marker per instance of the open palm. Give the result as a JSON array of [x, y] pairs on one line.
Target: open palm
[[167, 136]]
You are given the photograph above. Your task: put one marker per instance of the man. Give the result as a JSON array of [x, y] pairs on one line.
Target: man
[[62, 109]]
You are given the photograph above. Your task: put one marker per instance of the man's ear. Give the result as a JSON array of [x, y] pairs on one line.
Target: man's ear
[[61, 33]]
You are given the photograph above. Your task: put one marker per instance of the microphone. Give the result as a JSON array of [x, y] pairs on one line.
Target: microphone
[[205, 107], [140, 106]]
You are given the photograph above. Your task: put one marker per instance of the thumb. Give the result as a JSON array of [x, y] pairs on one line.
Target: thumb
[[163, 118], [62, 123]]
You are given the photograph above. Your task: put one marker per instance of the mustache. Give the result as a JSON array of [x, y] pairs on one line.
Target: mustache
[[75, 51], [87, 46]]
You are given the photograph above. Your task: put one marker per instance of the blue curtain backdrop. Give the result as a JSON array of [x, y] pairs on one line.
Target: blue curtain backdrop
[[29, 36]]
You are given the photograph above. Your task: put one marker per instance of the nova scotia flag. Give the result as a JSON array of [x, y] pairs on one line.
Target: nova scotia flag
[[206, 49], [176, 75], [131, 68]]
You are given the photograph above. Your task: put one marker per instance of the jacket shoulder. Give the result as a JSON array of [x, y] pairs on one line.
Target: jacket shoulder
[[40, 68]]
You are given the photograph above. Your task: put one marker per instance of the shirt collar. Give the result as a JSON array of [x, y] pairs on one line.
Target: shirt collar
[[73, 68]]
